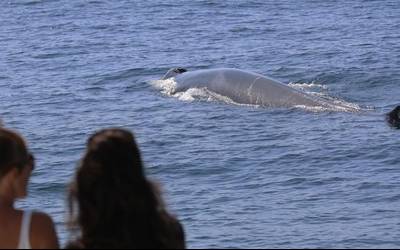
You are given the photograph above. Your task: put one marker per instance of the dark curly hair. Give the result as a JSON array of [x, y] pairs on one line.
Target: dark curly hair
[[113, 205]]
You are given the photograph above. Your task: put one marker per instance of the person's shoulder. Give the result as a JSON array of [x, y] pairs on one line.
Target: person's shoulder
[[42, 222], [42, 218], [43, 233]]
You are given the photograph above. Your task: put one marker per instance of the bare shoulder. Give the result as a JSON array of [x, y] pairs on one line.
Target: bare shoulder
[[43, 232], [41, 219], [42, 223]]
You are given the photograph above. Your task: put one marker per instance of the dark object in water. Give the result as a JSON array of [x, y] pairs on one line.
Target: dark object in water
[[393, 118]]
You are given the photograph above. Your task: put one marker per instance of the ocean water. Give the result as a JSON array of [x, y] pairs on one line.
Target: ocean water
[[236, 176]]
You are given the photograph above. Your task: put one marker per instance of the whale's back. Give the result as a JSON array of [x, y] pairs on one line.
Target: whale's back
[[243, 87]]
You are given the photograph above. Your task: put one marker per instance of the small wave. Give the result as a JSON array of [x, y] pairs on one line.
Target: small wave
[[49, 55], [240, 29], [32, 2]]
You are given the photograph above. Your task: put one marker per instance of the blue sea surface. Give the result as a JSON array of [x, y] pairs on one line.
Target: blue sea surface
[[236, 176]]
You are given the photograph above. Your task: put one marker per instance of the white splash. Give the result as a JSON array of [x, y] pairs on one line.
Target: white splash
[[307, 86], [166, 87]]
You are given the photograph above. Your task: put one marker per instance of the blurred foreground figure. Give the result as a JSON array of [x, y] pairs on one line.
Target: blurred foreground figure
[[113, 204], [20, 229]]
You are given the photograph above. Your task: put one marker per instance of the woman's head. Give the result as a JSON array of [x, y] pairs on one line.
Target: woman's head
[[113, 203], [114, 151], [16, 164]]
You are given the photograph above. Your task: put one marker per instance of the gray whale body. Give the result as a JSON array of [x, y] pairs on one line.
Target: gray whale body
[[245, 87]]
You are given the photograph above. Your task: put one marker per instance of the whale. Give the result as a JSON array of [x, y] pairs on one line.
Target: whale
[[245, 87]]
